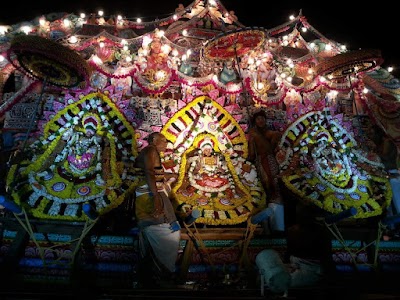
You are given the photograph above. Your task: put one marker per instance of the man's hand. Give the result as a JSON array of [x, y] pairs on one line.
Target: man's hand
[[158, 209]]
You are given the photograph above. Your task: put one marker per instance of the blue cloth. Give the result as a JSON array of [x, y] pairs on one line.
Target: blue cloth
[[8, 139], [395, 185]]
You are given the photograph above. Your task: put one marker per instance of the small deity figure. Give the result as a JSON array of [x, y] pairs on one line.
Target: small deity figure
[[180, 8], [208, 169], [186, 68], [233, 16], [92, 19], [228, 73], [82, 150], [156, 58], [329, 162], [207, 173], [266, 73]]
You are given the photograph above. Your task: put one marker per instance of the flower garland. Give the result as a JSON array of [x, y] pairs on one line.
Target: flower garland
[[203, 114], [320, 163], [71, 166], [231, 203]]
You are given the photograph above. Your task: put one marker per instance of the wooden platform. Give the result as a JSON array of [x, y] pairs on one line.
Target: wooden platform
[[102, 261]]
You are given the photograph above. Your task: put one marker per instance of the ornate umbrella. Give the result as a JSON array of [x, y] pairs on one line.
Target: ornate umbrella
[[348, 63], [47, 60], [234, 44]]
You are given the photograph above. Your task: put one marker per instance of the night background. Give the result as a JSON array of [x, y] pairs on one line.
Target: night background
[[356, 26]]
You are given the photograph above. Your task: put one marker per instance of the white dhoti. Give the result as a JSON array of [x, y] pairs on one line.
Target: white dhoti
[[164, 243]]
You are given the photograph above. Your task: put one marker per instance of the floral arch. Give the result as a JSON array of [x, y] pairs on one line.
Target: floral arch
[[322, 164], [88, 143], [228, 196]]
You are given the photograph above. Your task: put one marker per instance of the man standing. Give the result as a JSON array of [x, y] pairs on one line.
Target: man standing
[[263, 143], [388, 152], [159, 228]]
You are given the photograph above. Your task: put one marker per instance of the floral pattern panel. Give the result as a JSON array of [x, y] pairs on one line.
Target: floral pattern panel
[[322, 164], [85, 156], [222, 185]]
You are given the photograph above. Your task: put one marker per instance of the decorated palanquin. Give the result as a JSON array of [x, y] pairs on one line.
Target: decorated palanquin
[[323, 165], [85, 156], [196, 75], [224, 187]]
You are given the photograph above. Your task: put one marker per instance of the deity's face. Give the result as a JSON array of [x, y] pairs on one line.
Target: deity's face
[[207, 151], [156, 47]]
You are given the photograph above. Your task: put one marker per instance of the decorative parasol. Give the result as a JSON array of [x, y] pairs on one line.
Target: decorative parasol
[[234, 44], [48, 60], [348, 63]]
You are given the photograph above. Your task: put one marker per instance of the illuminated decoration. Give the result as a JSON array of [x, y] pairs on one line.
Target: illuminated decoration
[[166, 75], [322, 164]]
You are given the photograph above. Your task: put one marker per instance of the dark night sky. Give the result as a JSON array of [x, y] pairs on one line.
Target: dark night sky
[[356, 27]]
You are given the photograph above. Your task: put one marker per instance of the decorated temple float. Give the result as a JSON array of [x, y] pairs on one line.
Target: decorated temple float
[[80, 95]]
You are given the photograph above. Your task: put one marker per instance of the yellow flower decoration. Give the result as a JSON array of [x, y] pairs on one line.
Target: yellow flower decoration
[[86, 155], [232, 201]]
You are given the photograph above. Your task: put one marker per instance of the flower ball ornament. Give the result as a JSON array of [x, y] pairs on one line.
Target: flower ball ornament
[[47, 60]]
